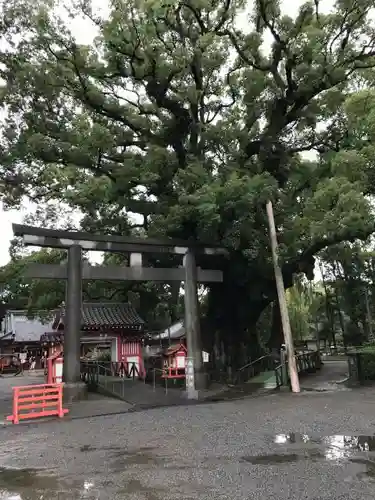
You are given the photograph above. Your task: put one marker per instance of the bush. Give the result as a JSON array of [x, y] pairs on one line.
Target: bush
[[367, 362], [104, 356]]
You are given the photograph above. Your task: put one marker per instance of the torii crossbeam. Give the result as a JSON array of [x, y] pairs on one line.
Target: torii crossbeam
[[75, 271]]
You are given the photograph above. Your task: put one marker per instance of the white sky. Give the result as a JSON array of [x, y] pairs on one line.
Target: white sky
[[85, 33]]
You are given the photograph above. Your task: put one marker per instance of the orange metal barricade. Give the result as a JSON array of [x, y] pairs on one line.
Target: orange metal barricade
[[35, 401]]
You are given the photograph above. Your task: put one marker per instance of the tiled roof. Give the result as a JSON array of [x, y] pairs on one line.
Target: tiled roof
[[58, 337], [23, 328], [176, 331], [174, 348], [105, 315], [49, 337]]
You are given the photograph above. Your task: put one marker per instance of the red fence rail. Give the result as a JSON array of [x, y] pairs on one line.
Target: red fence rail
[[35, 401]]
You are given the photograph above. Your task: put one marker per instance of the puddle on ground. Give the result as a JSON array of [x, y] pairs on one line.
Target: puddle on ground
[[271, 459], [336, 446], [134, 487], [339, 449], [121, 458], [26, 478], [37, 484], [41, 484], [88, 448], [126, 458], [282, 458], [369, 465]]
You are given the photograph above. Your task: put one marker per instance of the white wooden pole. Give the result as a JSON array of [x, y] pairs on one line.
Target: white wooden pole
[[288, 338]]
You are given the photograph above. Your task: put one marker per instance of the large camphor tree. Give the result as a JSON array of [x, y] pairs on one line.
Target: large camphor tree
[[193, 114]]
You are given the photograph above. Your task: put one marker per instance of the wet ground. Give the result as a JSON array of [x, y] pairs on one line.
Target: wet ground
[[7, 382], [329, 378], [316, 445]]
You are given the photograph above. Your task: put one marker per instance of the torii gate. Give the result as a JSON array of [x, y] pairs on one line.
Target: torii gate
[[75, 242]]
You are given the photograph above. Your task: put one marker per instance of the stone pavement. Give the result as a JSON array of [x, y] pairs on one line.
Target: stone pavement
[[277, 447], [9, 381], [95, 404]]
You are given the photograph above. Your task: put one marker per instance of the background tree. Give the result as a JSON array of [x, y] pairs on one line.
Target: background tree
[[155, 302], [177, 115], [299, 300], [347, 270], [36, 296]]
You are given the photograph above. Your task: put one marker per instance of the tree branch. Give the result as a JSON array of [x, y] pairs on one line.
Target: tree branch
[[306, 257]]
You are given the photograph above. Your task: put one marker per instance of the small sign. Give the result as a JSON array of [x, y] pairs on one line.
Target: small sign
[[189, 363], [189, 374], [190, 382], [206, 357]]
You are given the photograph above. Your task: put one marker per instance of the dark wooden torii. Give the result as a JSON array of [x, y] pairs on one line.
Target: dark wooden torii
[[75, 271]]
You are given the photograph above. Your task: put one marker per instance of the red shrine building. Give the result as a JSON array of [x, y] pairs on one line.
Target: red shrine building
[[115, 328]]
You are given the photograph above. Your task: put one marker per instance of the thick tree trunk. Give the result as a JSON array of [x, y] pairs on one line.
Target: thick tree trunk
[[231, 323], [276, 338], [235, 306]]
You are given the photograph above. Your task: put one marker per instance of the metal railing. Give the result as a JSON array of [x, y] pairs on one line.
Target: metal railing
[[96, 374], [115, 385], [307, 362], [158, 380], [7, 365], [282, 374], [254, 368], [121, 369], [90, 374]]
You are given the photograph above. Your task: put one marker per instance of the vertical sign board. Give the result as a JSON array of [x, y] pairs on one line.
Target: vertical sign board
[[190, 381]]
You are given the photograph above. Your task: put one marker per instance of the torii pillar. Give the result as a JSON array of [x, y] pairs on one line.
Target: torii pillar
[[196, 378], [73, 387]]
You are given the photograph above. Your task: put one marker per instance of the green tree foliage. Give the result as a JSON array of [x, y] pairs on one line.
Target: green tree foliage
[[176, 114], [340, 308], [156, 303], [349, 275], [20, 293], [307, 314], [303, 301]]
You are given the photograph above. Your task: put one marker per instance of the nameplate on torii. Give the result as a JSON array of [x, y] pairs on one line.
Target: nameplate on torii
[[118, 273]]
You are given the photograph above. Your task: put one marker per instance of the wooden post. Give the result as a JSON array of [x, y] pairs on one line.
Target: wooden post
[[195, 376], [293, 373], [368, 316], [72, 334]]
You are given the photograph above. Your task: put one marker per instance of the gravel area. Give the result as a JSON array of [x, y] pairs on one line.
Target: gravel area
[[211, 451]]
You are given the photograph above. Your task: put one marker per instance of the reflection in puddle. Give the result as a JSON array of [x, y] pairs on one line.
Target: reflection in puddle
[[35, 484], [369, 474], [353, 450], [272, 459], [135, 488], [335, 447], [41, 484], [26, 478]]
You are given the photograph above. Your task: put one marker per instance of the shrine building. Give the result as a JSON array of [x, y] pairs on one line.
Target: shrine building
[[115, 328]]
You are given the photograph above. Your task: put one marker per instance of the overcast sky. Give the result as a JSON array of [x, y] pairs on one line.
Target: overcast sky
[[84, 33]]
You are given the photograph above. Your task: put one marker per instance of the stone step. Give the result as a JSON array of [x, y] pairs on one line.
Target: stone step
[[266, 379]]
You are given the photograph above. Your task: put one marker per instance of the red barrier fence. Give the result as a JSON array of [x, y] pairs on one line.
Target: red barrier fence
[[35, 401]]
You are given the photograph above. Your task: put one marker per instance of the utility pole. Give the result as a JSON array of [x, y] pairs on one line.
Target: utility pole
[[288, 339]]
